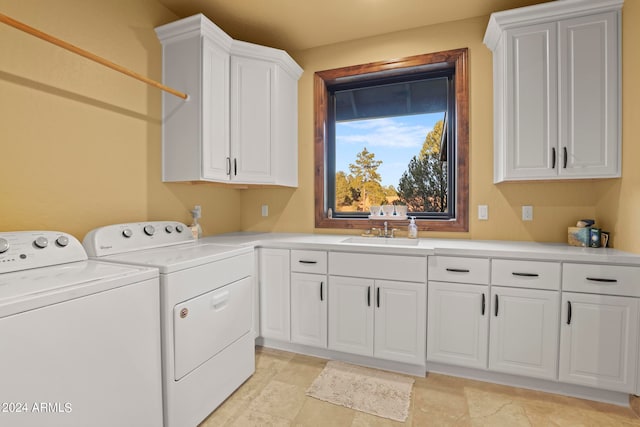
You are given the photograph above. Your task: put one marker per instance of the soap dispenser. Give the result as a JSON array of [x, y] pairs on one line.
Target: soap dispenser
[[196, 229], [413, 228]]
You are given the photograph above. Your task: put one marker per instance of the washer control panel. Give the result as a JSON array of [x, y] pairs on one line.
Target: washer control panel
[[22, 250], [119, 238]]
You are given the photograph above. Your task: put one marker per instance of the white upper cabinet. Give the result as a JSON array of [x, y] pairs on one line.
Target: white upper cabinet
[[240, 122], [556, 71]]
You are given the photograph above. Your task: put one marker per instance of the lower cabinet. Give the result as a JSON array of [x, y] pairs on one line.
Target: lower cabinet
[[379, 318], [524, 332], [309, 309], [274, 279], [458, 324], [598, 341], [511, 330]]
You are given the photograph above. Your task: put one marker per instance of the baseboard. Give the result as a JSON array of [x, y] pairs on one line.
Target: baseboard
[[324, 353], [582, 392]]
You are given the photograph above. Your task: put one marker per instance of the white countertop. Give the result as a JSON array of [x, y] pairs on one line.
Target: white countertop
[[427, 246]]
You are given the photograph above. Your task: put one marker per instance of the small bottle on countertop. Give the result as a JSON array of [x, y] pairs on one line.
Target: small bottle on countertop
[[196, 229], [413, 228]]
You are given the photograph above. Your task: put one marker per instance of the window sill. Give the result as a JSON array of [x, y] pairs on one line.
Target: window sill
[[453, 225]]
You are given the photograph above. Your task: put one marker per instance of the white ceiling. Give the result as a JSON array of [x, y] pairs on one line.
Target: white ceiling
[[302, 24]]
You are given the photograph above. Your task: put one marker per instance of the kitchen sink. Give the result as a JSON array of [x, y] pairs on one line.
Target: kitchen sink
[[392, 241]]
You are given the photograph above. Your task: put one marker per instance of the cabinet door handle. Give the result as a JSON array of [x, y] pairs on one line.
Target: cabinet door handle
[[564, 157], [458, 270], [235, 166], [602, 280], [304, 261], [568, 312], [553, 157], [228, 165], [495, 313], [321, 293], [483, 303], [515, 273], [368, 296], [378, 297]]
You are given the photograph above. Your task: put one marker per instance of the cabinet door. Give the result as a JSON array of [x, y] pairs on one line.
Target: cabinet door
[[524, 332], [400, 321], [215, 112], [531, 102], [274, 294], [351, 315], [458, 324], [598, 341], [589, 125], [251, 127], [309, 309]]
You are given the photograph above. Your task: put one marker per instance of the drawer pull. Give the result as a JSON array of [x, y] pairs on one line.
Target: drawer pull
[[568, 312], [304, 261], [515, 273], [458, 270], [483, 303], [495, 313], [601, 280]]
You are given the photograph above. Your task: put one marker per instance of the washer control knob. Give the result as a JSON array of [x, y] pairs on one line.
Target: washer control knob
[[179, 228], [149, 230], [127, 233], [41, 242], [62, 241], [169, 229], [4, 245]]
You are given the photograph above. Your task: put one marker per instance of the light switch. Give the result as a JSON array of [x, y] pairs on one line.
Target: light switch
[[265, 210], [483, 212]]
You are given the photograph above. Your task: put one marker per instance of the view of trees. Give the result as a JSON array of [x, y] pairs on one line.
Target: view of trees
[[422, 187]]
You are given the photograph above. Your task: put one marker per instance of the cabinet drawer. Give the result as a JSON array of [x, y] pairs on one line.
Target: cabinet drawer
[[309, 261], [459, 269], [376, 266], [601, 279], [526, 274]]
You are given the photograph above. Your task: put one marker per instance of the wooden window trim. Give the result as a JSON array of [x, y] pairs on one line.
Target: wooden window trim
[[457, 58]]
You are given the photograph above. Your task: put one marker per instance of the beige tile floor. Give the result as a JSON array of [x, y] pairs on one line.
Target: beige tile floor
[[275, 396]]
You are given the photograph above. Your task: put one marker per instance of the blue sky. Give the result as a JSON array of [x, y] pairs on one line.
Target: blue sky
[[394, 140]]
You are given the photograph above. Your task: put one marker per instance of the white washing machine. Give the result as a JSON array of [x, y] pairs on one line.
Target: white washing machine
[[79, 339], [206, 295]]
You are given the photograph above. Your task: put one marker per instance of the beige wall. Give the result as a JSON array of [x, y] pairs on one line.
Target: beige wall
[[80, 143], [556, 205]]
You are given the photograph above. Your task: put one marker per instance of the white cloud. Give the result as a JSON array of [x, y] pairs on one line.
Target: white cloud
[[382, 133]]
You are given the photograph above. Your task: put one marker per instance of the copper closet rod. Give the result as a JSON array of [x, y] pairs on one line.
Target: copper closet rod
[[61, 43]]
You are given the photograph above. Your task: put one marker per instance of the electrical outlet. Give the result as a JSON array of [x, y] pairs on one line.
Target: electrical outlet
[[265, 210], [527, 213], [483, 212]]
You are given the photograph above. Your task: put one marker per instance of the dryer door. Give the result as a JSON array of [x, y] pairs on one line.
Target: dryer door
[[207, 324]]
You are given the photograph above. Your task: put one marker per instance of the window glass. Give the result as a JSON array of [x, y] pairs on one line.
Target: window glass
[[388, 145]]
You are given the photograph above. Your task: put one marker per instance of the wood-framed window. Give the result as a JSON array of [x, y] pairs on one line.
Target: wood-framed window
[[407, 87]]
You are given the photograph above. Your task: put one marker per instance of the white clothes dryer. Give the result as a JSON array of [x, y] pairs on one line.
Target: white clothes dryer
[[79, 339], [206, 297]]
